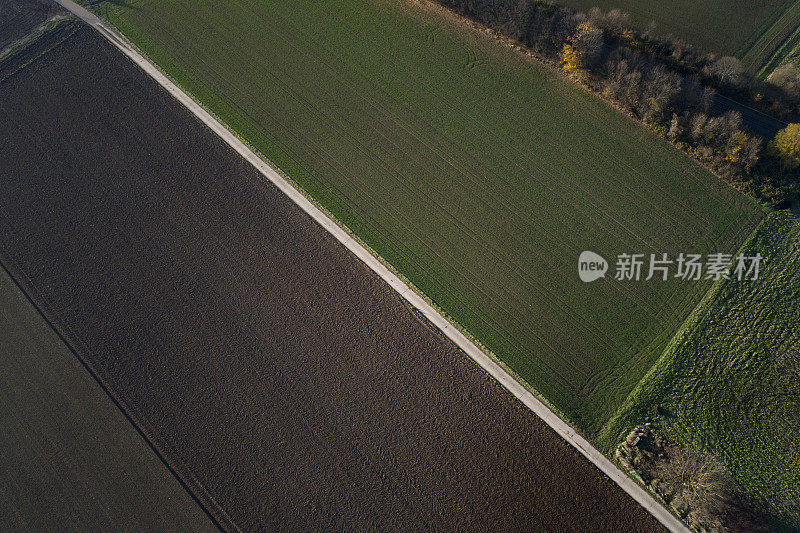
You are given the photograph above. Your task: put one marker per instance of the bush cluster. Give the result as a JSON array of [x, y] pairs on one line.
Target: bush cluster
[[694, 483]]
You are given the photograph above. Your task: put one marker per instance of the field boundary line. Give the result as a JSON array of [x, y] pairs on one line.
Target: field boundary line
[[664, 360], [196, 491], [32, 36], [762, 41], [492, 367]]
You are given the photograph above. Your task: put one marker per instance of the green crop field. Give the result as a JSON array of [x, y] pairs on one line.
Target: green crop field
[[750, 30], [765, 50], [478, 174], [71, 461], [730, 382], [789, 52]]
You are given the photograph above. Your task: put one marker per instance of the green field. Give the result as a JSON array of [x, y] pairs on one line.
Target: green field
[[777, 37], [71, 461], [750, 30], [730, 382], [479, 175], [787, 52]]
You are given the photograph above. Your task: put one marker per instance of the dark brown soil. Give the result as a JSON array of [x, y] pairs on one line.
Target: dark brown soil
[[18, 17], [285, 383]]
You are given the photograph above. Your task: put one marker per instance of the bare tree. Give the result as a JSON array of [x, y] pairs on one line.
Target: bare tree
[[700, 479], [787, 77], [661, 90], [596, 17], [707, 99], [650, 30], [751, 153], [588, 41], [698, 127], [728, 70], [617, 21], [676, 128]]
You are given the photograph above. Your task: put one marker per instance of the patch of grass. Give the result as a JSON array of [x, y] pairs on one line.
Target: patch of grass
[[768, 48], [785, 53], [789, 52], [20, 17], [39, 43], [479, 175], [730, 381]]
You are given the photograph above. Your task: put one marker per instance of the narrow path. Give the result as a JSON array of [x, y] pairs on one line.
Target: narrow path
[[754, 119], [31, 37], [482, 359]]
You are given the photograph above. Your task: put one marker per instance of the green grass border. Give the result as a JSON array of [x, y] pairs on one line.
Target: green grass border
[[755, 61], [68, 25], [609, 437]]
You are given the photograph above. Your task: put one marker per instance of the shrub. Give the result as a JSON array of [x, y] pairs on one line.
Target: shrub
[[786, 146], [700, 480], [588, 41], [787, 77], [571, 59]]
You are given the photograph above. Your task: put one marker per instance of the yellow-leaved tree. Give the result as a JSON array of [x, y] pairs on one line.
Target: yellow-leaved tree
[[571, 59], [786, 146]]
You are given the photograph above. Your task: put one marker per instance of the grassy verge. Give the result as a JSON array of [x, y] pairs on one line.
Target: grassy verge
[[788, 53], [728, 383], [40, 42], [784, 53]]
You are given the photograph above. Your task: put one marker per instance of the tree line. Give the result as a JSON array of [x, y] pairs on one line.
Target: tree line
[[666, 85]]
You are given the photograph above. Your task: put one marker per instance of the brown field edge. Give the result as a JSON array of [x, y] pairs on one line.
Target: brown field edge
[[283, 382], [19, 17]]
